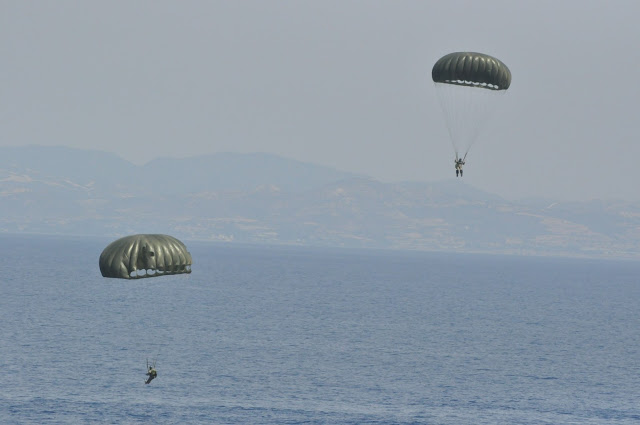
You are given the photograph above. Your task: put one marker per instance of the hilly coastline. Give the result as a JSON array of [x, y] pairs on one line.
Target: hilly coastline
[[266, 199]]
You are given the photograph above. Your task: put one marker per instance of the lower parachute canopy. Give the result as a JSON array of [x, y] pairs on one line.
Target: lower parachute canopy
[[469, 86], [139, 256]]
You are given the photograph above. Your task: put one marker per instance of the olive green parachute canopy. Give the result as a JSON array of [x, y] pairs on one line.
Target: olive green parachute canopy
[[139, 256], [472, 69]]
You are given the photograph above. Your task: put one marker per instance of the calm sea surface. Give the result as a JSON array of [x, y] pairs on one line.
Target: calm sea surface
[[272, 335]]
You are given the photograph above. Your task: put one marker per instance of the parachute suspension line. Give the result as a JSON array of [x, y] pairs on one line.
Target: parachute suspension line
[[447, 105], [466, 111]]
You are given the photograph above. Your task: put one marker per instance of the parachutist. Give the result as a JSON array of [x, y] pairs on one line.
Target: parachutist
[[152, 374], [459, 163], [467, 85]]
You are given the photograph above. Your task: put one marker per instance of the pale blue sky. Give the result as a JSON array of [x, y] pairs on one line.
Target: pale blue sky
[[339, 83]]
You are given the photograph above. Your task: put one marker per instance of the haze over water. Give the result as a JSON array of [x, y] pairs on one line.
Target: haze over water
[[297, 335]]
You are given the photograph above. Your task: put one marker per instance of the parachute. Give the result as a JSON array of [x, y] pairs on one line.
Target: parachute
[[139, 256], [469, 86]]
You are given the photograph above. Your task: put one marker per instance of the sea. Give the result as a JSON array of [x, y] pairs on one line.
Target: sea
[[293, 335]]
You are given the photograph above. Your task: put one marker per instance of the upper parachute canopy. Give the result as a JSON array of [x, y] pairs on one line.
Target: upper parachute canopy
[[472, 69], [139, 256]]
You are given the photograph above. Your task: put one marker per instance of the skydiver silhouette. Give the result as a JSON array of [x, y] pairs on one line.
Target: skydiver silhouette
[[152, 374], [458, 163]]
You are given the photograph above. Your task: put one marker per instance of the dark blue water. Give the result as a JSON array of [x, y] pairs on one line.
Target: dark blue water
[[287, 336]]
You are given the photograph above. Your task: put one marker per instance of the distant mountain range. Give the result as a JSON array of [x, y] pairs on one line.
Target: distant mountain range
[[262, 198]]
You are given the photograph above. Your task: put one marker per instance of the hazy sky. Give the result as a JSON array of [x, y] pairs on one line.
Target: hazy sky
[[339, 83]]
